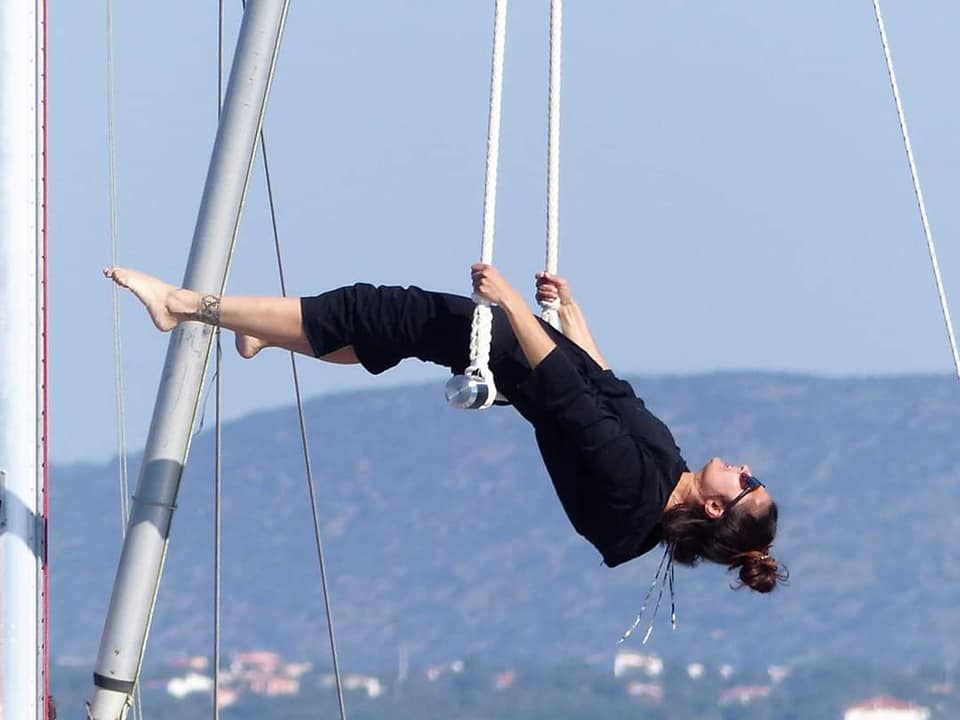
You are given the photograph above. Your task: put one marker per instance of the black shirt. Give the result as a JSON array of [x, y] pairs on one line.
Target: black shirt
[[613, 462]]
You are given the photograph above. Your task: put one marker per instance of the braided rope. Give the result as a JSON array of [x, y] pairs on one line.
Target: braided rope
[[481, 329], [549, 307], [915, 176]]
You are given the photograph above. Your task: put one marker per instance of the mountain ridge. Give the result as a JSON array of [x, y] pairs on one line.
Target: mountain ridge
[[443, 533]]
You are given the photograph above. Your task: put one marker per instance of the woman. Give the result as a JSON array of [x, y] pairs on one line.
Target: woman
[[615, 466]]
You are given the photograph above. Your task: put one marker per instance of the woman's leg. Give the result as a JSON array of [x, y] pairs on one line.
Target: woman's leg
[[375, 326], [258, 322], [386, 324], [248, 346]]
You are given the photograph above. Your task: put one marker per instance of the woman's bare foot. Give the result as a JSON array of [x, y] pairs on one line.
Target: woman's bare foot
[[160, 298], [248, 345]]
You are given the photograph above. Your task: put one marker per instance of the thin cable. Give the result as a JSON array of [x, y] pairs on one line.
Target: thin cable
[[114, 260], [217, 472], [219, 57], [311, 485], [916, 185], [217, 505], [549, 308], [328, 605], [481, 329], [117, 345]]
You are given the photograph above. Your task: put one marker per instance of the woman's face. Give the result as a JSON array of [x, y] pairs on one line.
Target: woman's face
[[721, 482]]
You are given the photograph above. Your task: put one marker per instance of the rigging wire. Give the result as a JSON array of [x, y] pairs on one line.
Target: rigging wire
[[114, 260], [217, 471], [915, 176], [117, 345], [301, 416], [311, 485], [217, 506]]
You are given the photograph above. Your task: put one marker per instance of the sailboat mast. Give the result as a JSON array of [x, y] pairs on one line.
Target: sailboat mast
[[127, 624], [23, 508]]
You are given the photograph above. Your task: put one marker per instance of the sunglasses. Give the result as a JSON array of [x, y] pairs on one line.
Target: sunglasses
[[751, 484]]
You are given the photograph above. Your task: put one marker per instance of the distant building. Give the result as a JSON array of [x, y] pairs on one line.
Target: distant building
[[627, 662], [180, 687], [885, 708], [263, 672], [272, 685], [435, 672], [198, 663], [353, 682], [262, 660], [778, 673], [296, 670], [744, 694], [651, 692], [227, 697], [370, 684]]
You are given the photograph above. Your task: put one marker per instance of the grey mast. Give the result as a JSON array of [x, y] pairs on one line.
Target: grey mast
[[141, 561], [23, 576]]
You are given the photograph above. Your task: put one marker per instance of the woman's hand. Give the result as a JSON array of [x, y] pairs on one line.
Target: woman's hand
[[491, 285], [552, 287]]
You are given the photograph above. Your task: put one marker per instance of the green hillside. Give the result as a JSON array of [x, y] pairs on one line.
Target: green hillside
[[443, 534]]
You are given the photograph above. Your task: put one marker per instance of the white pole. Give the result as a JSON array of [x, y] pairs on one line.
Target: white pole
[[127, 624], [23, 632]]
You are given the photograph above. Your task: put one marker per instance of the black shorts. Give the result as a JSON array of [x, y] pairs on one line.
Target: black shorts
[[386, 324]]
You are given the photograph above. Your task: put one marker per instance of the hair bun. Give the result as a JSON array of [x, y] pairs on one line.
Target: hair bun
[[759, 571]]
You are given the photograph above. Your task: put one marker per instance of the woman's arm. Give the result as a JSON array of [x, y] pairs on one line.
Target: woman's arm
[[572, 319], [608, 452], [534, 341]]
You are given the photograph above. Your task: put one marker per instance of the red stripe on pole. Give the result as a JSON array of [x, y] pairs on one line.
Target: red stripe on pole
[[43, 364]]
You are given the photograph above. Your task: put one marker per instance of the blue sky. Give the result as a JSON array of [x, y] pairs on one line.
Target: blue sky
[[734, 193]]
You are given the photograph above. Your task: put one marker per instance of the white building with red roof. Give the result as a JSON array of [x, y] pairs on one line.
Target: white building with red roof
[[744, 694], [627, 662], [883, 707]]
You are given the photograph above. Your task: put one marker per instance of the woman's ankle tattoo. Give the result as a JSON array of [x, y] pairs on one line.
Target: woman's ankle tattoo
[[208, 310]]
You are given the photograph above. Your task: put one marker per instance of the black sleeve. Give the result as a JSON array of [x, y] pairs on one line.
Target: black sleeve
[[608, 451]]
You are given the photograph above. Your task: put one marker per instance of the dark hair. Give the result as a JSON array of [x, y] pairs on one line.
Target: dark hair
[[736, 539]]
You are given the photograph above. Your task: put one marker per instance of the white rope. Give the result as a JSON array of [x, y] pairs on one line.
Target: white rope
[[549, 308], [481, 330], [916, 186]]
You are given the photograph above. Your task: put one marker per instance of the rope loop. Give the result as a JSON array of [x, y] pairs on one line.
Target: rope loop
[[550, 312], [481, 339]]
